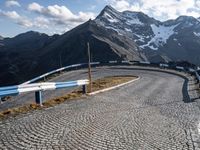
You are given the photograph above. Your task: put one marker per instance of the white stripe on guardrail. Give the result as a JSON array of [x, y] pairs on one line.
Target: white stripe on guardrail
[[15, 90], [112, 62], [164, 65], [179, 67], [144, 62], [92, 63], [197, 75]]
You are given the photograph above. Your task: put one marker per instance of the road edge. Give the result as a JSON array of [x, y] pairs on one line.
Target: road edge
[[113, 87]]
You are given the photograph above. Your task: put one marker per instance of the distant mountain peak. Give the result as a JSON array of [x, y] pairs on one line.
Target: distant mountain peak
[[34, 32], [109, 12], [30, 34], [1, 37], [113, 35], [186, 18], [109, 8]]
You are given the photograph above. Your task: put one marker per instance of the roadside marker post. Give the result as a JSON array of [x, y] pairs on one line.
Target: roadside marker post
[[38, 97]]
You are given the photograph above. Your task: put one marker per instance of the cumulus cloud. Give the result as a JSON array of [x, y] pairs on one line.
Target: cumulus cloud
[[10, 3], [41, 22], [13, 15], [35, 7], [10, 14], [163, 10], [61, 15]]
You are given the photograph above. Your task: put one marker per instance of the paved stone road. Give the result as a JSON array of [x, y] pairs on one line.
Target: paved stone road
[[147, 114]]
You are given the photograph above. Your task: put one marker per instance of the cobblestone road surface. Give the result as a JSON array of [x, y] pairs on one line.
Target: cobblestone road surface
[[147, 114]]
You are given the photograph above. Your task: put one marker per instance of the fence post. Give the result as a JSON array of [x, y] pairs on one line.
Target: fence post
[[38, 97], [84, 89]]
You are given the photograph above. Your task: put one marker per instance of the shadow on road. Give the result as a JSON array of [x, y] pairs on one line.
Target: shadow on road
[[186, 97]]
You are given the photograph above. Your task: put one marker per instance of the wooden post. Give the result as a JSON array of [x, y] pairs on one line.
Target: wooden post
[[89, 70]]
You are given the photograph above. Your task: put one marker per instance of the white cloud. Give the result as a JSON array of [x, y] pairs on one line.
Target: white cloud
[[35, 7], [61, 14], [25, 22], [41, 22], [121, 4], [163, 10], [60, 18], [13, 15], [198, 3], [10, 3]]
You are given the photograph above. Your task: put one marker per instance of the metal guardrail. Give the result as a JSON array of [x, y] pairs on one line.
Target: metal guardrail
[[54, 71], [113, 62], [197, 77], [179, 68], [39, 87], [163, 65]]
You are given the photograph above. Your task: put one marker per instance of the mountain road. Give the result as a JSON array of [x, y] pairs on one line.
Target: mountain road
[[154, 112]]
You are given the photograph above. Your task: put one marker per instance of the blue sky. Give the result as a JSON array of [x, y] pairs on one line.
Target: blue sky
[[59, 16]]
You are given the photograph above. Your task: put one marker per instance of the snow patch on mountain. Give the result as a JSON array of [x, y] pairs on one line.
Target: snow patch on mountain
[[140, 37], [196, 34], [110, 18], [134, 21], [128, 30], [175, 39], [132, 18], [161, 34]]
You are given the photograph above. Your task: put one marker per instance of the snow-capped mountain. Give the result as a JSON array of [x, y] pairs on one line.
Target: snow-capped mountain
[[112, 35], [177, 39]]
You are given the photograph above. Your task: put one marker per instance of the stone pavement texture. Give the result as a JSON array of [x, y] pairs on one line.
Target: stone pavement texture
[[149, 114]]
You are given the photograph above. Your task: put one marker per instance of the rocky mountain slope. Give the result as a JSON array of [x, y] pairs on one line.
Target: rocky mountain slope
[[22, 59], [173, 40], [112, 35]]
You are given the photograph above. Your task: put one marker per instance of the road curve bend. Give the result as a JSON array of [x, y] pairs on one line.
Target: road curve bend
[[150, 113]]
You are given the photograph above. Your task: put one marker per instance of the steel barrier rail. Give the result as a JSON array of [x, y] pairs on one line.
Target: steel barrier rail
[[58, 70], [198, 78], [114, 62], [39, 87], [179, 68], [144, 62], [52, 72], [163, 65]]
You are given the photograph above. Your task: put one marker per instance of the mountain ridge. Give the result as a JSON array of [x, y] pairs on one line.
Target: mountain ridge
[[112, 35]]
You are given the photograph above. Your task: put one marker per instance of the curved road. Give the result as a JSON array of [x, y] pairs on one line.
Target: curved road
[[150, 113]]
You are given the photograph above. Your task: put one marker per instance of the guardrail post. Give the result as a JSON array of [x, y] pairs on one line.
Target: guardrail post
[[84, 89], [38, 97], [197, 80]]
